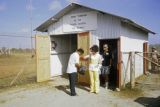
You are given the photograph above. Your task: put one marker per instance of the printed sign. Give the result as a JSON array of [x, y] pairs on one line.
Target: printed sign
[[80, 22]]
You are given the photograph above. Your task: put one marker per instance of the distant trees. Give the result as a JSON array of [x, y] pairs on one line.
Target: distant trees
[[5, 51], [8, 51]]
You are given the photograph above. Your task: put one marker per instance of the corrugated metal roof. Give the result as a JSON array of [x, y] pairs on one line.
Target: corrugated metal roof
[[43, 27]]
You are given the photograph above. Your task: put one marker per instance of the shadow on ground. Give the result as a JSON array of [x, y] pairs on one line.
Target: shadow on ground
[[149, 101], [63, 88], [85, 88]]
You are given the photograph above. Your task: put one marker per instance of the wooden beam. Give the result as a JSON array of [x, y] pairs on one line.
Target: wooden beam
[[148, 59]]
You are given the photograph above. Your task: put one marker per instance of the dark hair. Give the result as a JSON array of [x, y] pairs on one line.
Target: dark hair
[[94, 48], [80, 50]]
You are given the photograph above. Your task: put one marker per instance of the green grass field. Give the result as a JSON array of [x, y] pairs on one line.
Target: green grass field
[[11, 65]]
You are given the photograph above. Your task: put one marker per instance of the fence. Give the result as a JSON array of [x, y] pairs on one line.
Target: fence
[[132, 64], [17, 61]]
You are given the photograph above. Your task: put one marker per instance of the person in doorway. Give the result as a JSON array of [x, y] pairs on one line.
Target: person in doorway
[[106, 64], [95, 61], [154, 56], [73, 65]]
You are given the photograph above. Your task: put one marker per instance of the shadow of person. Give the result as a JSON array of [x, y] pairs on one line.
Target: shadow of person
[[83, 88], [63, 88], [149, 102]]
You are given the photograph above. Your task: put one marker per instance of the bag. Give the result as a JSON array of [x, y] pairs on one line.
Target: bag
[[82, 70]]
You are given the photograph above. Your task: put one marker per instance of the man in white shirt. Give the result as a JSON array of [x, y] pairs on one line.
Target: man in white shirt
[[73, 65]]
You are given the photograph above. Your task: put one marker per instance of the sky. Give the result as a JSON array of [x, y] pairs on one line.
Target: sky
[[15, 16]]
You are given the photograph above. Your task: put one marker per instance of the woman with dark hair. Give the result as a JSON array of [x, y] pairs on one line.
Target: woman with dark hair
[[94, 67]]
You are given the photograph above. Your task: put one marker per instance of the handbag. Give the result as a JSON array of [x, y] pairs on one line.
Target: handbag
[[82, 70]]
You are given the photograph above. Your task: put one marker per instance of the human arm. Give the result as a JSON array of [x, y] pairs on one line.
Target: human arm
[[84, 58]]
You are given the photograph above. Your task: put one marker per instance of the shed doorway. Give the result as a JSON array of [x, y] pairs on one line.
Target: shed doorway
[[113, 77], [62, 46]]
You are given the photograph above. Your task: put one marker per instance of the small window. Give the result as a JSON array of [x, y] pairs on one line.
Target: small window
[[53, 45]]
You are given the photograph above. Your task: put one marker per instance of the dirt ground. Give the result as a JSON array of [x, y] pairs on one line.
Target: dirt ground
[[55, 93]]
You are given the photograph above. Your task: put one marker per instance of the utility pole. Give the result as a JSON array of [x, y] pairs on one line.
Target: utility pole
[[30, 10]]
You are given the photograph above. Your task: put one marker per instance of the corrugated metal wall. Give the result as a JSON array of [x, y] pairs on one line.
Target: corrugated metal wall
[[132, 32], [56, 28], [109, 27]]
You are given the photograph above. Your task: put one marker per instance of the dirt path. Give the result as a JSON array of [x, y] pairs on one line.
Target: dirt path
[[151, 89], [55, 94]]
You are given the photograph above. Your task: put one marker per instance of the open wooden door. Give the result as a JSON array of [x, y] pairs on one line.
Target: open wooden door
[[43, 58], [84, 43]]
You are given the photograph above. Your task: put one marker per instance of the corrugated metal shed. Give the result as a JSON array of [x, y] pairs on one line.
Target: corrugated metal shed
[[129, 35]]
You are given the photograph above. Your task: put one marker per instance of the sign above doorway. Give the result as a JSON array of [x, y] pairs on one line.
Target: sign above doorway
[[80, 22]]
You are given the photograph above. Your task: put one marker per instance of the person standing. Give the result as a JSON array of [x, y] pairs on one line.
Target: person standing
[[73, 65], [154, 59], [95, 61], [106, 64]]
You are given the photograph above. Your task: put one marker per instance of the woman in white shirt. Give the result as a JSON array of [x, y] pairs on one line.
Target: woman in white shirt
[[94, 67]]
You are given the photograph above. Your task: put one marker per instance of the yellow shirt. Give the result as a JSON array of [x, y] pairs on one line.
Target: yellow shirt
[[95, 62]]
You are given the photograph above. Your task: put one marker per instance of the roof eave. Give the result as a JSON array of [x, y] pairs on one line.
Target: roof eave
[[43, 26], [138, 26]]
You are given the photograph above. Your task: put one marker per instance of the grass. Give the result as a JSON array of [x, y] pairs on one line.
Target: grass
[[2, 101], [130, 93], [127, 92], [11, 65]]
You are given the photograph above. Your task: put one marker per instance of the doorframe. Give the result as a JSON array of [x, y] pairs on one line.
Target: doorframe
[[119, 61], [145, 62], [119, 70]]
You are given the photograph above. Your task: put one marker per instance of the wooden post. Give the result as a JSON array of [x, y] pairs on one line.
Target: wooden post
[[132, 70]]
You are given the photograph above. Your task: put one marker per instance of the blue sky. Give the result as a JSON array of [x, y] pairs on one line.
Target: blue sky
[[15, 15]]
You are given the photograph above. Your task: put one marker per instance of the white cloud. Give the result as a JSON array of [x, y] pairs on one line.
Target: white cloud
[[55, 5], [72, 1], [30, 7], [3, 7], [24, 30]]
